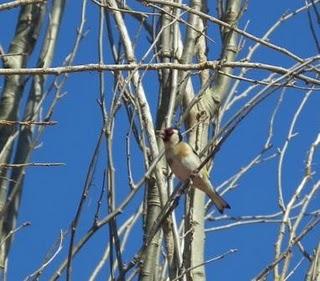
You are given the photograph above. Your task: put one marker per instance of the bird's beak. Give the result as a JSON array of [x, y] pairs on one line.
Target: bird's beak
[[160, 134]]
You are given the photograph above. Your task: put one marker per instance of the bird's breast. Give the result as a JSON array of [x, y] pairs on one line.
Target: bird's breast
[[179, 169], [182, 160]]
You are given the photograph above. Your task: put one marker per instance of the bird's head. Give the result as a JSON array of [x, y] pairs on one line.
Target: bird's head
[[170, 136]]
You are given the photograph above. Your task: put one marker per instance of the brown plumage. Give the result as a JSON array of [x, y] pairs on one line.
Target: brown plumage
[[183, 161]]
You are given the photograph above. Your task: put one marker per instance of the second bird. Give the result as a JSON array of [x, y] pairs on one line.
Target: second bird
[[184, 161]]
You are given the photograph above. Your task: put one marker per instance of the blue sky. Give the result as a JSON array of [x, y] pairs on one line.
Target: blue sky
[[51, 195]]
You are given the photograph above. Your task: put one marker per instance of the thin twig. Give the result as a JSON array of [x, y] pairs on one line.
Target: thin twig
[[84, 195], [12, 232], [158, 66], [225, 25], [27, 123], [231, 251], [17, 3], [33, 164], [35, 275], [303, 233]]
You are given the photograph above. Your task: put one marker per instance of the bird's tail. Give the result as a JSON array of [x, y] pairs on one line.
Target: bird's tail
[[208, 189], [217, 200]]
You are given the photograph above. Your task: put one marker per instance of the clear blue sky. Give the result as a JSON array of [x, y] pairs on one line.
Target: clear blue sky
[[51, 195]]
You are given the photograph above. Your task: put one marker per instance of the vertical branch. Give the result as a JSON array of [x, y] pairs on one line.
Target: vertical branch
[[22, 45], [166, 53], [188, 49], [202, 50], [194, 222], [208, 105], [314, 271], [26, 36], [155, 184], [287, 208], [108, 124], [217, 94], [306, 201], [27, 137], [27, 31], [165, 114], [84, 195]]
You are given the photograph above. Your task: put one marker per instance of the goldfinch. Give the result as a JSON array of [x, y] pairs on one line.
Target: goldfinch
[[184, 161]]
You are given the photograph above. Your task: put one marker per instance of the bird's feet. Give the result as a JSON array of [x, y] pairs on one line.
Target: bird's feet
[[194, 174]]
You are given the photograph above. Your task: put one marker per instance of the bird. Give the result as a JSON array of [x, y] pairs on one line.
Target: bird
[[184, 162]]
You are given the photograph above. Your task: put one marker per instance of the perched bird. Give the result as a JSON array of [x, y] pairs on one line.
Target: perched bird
[[184, 161]]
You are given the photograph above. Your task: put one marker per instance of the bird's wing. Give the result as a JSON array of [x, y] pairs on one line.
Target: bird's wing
[[187, 156]]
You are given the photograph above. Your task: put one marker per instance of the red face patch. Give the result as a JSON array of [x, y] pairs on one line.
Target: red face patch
[[167, 134]]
